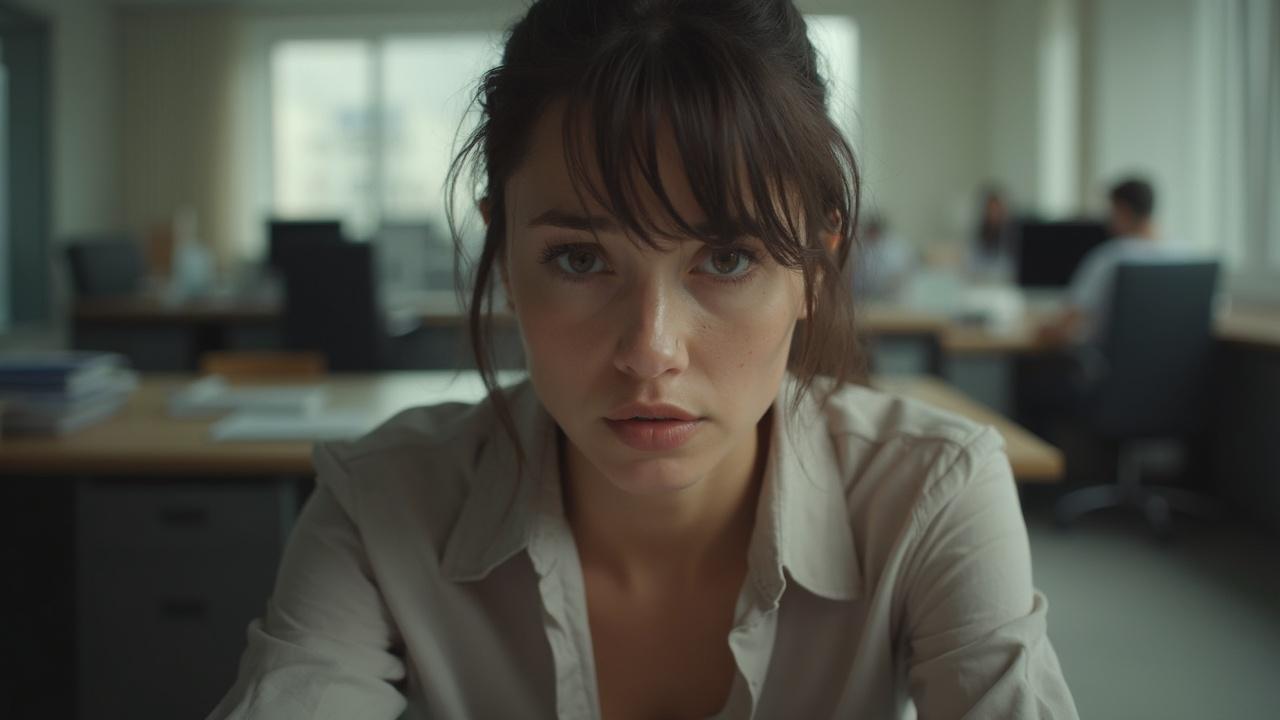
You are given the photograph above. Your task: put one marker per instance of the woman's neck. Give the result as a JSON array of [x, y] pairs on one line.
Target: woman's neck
[[680, 535]]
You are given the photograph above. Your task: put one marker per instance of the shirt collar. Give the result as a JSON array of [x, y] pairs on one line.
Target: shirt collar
[[802, 519], [497, 518]]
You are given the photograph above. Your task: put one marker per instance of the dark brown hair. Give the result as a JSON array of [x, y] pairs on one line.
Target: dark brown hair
[[736, 85], [1136, 194]]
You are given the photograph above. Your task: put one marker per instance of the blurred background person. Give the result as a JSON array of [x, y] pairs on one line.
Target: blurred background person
[[991, 254], [883, 263], [1133, 239]]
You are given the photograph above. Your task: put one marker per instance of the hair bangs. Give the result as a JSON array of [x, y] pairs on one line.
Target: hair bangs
[[667, 92]]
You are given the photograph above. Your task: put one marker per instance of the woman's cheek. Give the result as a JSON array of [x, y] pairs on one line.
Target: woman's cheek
[[555, 320]]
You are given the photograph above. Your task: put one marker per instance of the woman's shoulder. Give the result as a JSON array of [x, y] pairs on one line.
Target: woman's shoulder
[[873, 415], [428, 453], [886, 443]]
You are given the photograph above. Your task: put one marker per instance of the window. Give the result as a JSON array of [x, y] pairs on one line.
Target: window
[[364, 128], [835, 38], [321, 129], [1241, 60], [4, 197]]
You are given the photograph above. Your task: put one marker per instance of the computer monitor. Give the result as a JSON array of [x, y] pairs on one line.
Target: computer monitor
[[288, 237], [1050, 252], [107, 266]]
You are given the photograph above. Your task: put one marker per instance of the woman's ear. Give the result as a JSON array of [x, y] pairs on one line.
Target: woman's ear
[[485, 206], [831, 241], [831, 238]]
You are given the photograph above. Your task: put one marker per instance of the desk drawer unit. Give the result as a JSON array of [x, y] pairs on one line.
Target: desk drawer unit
[[168, 577]]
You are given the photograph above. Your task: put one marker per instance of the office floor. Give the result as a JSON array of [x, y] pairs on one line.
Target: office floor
[[1190, 629]]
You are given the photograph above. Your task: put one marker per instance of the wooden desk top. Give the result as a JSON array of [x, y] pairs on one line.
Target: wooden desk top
[[1250, 326], [960, 339], [135, 310], [1033, 459], [1255, 327], [142, 440], [893, 320]]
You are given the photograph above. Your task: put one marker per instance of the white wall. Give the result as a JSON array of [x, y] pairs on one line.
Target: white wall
[[1014, 126], [86, 148], [1145, 96], [924, 94], [1035, 111], [177, 118]]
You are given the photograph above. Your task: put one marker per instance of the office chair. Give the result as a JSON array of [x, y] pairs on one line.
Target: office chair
[[1149, 382], [332, 306], [287, 239], [106, 266]]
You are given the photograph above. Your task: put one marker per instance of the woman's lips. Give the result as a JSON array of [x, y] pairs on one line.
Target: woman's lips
[[654, 435]]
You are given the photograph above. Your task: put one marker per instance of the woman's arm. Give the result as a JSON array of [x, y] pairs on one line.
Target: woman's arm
[[975, 626], [326, 646]]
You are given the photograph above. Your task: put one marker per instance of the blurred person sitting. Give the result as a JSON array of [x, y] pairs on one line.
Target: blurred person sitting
[[991, 255], [1133, 239], [884, 262], [1050, 387]]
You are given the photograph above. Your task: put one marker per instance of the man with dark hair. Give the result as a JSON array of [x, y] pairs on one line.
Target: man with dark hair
[[1134, 195], [1133, 239]]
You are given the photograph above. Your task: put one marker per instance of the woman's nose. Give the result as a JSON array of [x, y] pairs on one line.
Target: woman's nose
[[652, 342]]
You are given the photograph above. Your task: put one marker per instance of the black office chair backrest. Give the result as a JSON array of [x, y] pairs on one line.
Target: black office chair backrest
[[287, 239], [331, 306], [106, 266], [1156, 342]]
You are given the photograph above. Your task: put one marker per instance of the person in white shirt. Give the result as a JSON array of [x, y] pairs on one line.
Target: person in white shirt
[[1133, 239], [991, 256], [884, 262], [690, 509]]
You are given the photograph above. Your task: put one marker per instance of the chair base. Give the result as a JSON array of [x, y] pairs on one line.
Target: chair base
[[1156, 503]]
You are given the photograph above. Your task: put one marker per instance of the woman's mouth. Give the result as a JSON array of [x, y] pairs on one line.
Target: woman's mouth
[[653, 427], [650, 434]]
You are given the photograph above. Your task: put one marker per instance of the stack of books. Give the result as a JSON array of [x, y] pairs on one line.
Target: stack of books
[[54, 393]]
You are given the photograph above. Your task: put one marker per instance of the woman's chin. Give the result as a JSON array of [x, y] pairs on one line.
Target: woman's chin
[[655, 476]]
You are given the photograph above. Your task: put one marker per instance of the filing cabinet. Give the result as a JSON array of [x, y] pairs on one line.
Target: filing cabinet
[[168, 577]]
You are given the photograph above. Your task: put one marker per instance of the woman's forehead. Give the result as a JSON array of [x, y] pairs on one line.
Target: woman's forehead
[[567, 184], [545, 190]]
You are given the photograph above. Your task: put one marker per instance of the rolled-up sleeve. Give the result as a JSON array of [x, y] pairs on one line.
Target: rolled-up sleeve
[[976, 628], [326, 646]]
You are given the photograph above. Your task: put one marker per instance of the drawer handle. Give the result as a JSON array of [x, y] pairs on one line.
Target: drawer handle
[[184, 516], [182, 608]]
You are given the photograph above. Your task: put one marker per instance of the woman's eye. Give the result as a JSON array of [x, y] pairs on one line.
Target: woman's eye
[[580, 261], [727, 263]]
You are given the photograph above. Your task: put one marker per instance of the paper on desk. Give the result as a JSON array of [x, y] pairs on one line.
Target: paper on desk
[[256, 426], [212, 395]]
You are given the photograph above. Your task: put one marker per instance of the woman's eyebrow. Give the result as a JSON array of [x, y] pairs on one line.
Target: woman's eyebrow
[[603, 224], [570, 221]]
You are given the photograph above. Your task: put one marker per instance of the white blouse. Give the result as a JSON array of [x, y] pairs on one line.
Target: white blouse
[[431, 576]]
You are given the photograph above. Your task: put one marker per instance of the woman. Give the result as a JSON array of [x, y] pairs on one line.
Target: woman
[[687, 511], [991, 258]]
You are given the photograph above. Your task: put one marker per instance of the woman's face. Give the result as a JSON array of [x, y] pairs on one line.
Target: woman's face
[[657, 363]]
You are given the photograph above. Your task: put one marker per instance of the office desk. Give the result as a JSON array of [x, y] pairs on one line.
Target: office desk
[[1249, 326], [135, 310], [1254, 327], [144, 441], [159, 540], [158, 335], [960, 339]]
